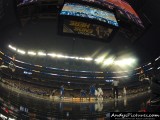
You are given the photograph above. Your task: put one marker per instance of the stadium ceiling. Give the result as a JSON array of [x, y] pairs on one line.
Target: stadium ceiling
[[42, 35]]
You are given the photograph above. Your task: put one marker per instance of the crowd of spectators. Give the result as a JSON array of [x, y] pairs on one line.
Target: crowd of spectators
[[47, 92], [28, 87]]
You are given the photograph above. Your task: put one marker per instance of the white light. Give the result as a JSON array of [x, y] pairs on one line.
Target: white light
[[11, 119], [82, 77], [120, 72], [66, 70], [52, 54], [120, 77], [77, 58], [138, 68], [27, 73], [88, 59], [21, 51], [72, 57], [41, 54], [120, 62], [157, 58], [109, 80], [81, 58], [158, 68], [13, 48], [69, 82], [149, 69], [31, 53], [3, 117], [123, 62], [108, 61], [66, 56], [60, 56], [99, 60]]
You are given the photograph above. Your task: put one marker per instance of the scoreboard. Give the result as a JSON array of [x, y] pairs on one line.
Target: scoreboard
[[121, 6], [86, 21], [79, 28]]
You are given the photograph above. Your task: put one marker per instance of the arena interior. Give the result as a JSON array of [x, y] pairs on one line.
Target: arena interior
[[78, 59]]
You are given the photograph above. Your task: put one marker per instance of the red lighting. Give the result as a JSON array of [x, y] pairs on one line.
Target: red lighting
[[6, 110]]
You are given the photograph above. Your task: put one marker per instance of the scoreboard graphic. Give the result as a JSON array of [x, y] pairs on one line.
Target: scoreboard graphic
[[86, 29]]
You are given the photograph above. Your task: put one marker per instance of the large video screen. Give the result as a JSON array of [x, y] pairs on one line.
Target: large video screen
[[86, 29], [123, 7], [24, 2], [74, 9], [118, 3]]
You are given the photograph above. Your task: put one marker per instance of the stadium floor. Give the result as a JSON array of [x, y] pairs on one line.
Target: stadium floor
[[22, 106]]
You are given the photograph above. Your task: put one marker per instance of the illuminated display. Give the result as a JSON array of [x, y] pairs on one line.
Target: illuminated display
[[86, 29], [74, 9], [122, 6], [27, 73], [116, 3], [109, 80]]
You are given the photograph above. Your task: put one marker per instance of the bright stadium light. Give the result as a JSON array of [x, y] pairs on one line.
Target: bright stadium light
[[42, 54], [108, 61], [66, 56], [130, 61], [99, 60], [13, 48], [88, 59], [52, 54], [124, 62], [31, 53], [77, 58], [60, 56], [72, 57], [21, 51], [81, 58]]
